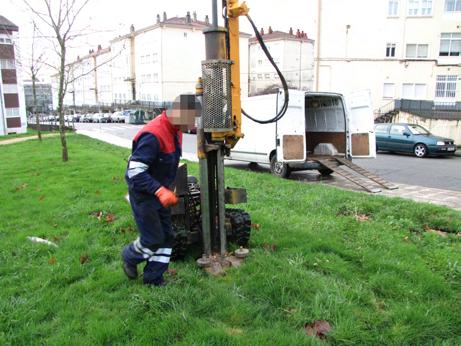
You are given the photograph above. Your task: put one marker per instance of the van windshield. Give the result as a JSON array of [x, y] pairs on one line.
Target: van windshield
[[418, 130]]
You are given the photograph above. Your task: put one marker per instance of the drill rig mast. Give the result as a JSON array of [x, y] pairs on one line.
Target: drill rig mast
[[219, 127]]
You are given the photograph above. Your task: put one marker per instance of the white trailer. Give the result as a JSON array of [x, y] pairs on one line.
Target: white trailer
[[319, 131]]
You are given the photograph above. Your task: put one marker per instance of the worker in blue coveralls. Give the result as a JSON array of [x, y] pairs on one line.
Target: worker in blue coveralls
[[151, 170]]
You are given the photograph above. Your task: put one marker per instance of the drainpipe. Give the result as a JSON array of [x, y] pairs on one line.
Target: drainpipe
[[319, 28]]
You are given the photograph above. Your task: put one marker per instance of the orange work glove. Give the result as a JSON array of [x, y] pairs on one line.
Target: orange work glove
[[166, 197]]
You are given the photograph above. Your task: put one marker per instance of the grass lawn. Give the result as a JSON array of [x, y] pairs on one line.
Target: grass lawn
[[366, 264]]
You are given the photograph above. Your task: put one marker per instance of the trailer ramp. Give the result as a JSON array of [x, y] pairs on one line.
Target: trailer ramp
[[356, 174]]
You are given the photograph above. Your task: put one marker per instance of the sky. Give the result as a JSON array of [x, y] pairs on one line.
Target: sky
[[105, 19]]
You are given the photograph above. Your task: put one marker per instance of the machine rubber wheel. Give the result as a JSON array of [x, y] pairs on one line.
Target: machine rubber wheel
[[279, 169], [179, 243], [420, 150], [324, 172], [240, 223]]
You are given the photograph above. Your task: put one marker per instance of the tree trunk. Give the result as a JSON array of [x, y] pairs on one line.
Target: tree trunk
[[61, 92], [37, 118]]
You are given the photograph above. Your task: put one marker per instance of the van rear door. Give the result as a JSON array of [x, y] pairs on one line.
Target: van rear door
[[291, 129], [361, 125]]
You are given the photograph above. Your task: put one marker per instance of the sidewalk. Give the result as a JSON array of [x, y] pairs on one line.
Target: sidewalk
[[448, 198], [28, 138]]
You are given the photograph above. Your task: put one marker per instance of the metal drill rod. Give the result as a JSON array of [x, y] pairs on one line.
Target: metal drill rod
[[221, 200]]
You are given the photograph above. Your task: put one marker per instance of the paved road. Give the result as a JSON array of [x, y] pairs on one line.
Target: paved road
[[440, 173]]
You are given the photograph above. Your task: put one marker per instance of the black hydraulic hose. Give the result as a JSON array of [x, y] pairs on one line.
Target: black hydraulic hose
[[284, 108]]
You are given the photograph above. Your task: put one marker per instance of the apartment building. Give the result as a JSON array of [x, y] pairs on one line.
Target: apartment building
[[12, 110], [399, 49], [43, 94], [155, 64], [293, 52]]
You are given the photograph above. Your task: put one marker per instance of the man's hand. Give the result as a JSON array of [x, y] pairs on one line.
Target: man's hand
[[166, 197]]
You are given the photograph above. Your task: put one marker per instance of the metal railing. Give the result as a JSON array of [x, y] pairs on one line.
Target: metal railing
[[423, 108]]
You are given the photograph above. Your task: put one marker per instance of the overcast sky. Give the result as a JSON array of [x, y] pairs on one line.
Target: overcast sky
[[109, 18]]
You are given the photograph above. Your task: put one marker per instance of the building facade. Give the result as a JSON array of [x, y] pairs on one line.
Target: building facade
[[43, 94], [152, 64], [12, 106], [292, 52], [398, 49]]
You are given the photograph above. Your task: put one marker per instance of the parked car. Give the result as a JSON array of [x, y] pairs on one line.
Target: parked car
[[412, 138], [96, 117], [105, 117], [87, 118], [117, 117]]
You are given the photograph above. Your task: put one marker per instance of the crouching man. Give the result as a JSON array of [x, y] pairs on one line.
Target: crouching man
[[151, 171]]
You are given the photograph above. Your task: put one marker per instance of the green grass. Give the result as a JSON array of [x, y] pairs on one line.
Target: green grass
[[381, 281]]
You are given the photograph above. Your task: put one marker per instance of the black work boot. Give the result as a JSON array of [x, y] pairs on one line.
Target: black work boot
[[131, 271]]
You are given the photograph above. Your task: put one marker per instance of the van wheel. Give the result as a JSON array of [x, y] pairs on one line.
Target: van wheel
[[279, 169], [324, 172]]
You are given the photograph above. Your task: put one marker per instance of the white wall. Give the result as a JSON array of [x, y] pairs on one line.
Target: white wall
[[295, 59], [353, 48]]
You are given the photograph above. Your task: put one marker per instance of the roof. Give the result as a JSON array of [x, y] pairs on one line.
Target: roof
[[281, 35], [7, 24], [174, 22]]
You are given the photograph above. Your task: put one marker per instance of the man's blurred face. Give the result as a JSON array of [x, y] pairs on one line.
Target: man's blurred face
[[182, 114]]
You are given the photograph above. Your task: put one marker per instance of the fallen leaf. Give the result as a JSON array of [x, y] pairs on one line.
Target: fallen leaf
[[116, 179], [256, 226], [405, 238], [109, 217], [52, 260], [98, 193], [83, 259], [361, 217], [270, 247], [458, 234], [21, 187], [96, 214], [318, 329], [41, 198], [172, 271], [125, 230]]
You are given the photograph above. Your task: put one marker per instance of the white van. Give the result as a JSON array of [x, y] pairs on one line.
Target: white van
[[316, 126]]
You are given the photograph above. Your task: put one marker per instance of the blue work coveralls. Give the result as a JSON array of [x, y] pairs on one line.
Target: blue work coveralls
[[153, 163]]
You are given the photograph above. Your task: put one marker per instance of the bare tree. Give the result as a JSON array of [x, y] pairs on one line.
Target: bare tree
[[36, 63], [61, 19]]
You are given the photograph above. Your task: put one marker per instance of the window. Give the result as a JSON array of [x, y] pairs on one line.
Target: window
[[389, 90], [393, 8], [445, 86], [260, 76], [417, 51], [260, 62], [155, 77], [12, 112], [390, 50], [452, 5], [7, 64], [419, 8], [397, 130], [8, 40], [267, 76], [450, 44], [414, 91], [381, 128], [155, 58]]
